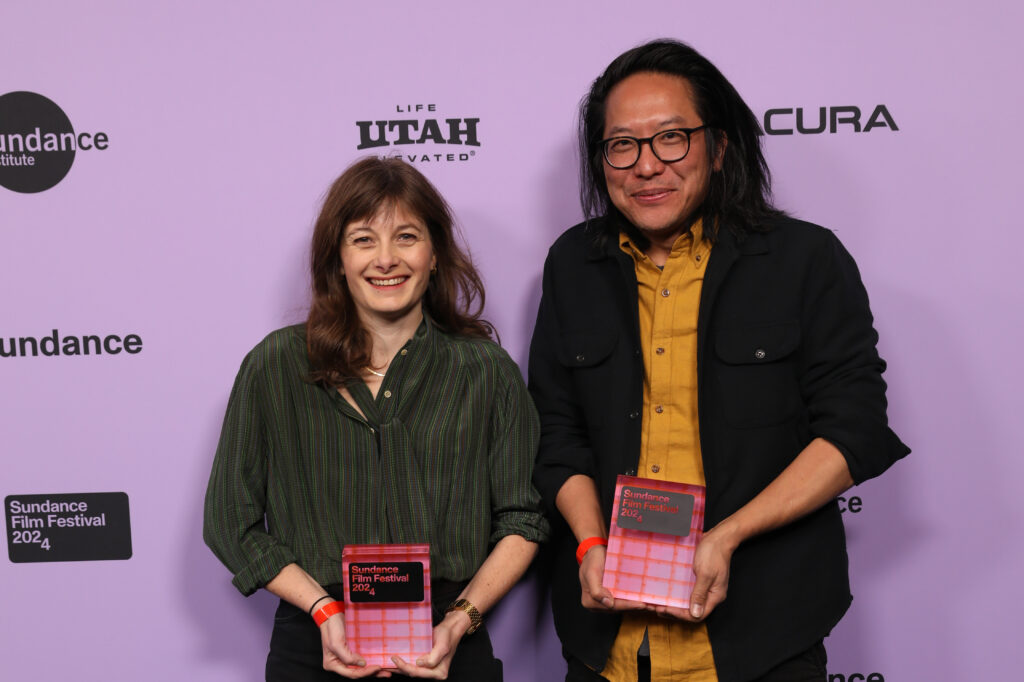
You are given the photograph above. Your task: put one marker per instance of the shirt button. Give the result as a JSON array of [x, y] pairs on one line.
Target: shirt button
[[659, 409], [634, 414], [659, 350], [760, 354], [698, 257], [580, 358], [387, 394], [665, 293], [655, 468], [405, 351]]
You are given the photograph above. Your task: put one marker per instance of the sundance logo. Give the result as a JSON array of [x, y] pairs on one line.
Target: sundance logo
[[831, 119], [38, 143], [419, 125], [57, 344]]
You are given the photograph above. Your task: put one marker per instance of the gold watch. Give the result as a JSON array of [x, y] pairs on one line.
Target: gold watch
[[475, 619]]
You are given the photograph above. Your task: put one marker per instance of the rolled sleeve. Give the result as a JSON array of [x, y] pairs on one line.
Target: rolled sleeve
[[234, 526], [842, 379]]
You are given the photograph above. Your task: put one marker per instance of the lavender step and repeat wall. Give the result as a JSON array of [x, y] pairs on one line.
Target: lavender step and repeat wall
[[154, 221]]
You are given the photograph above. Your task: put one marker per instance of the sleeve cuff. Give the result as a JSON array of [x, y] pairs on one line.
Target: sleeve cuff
[[262, 570], [530, 526], [882, 452], [549, 479]]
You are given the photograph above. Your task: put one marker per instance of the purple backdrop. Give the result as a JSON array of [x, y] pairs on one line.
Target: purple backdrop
[[225, 122]]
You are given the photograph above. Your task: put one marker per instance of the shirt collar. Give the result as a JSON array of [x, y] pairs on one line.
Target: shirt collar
[[691, 245]]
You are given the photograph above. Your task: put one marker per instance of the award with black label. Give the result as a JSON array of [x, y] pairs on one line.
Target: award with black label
[[387, 601], [653, 535]]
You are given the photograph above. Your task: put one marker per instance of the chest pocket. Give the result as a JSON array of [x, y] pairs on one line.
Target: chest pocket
[[757, 374], [589, 359], [587, 349]]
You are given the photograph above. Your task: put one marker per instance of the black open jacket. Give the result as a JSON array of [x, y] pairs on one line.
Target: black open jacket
[[785, 354]]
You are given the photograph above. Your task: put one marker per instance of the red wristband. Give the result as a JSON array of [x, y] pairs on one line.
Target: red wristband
[[321, 615], [585, 546]]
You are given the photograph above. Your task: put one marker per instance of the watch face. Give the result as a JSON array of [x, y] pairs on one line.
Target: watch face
[[475, 619]]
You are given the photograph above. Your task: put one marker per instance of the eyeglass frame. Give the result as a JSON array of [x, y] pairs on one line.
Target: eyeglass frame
[[640, 141]]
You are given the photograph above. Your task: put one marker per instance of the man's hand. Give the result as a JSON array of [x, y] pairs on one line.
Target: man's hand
[[578, 503], [594, 595], [814, 478], [711, 566]]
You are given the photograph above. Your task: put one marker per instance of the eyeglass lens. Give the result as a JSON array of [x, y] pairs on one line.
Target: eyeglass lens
[[668, 146]]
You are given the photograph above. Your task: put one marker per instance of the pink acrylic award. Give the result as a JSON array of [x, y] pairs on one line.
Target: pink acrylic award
[[387, 602], [654, 532]]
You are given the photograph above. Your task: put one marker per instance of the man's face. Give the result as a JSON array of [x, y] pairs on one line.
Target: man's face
[[658, 198]]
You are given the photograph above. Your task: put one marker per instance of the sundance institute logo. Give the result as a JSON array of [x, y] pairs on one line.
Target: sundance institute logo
[[38, 143]]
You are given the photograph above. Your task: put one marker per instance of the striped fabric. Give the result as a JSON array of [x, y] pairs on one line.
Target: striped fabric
[[444, 457]]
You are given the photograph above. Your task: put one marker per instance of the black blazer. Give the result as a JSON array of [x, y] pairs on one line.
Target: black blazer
[[785, 353]]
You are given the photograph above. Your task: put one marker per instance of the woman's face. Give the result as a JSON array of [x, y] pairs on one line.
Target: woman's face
[[387, 262]]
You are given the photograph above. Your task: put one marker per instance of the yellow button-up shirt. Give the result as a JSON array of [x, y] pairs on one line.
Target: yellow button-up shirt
[[670, 441]]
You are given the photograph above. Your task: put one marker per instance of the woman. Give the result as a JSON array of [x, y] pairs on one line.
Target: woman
[[388, 417]]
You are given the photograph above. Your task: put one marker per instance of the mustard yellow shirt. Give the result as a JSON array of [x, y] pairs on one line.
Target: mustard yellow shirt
[[670, 441]]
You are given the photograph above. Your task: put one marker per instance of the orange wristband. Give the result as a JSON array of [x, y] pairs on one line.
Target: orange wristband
[[586, 545], [321, 615]]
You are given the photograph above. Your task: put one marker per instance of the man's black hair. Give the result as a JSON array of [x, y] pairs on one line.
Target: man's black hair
[[739, 195]]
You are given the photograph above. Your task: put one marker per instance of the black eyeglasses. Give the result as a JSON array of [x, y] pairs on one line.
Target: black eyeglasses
[[623, 151]]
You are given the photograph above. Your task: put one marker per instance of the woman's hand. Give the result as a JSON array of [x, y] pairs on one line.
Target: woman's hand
[[447, 636], [338, 657]]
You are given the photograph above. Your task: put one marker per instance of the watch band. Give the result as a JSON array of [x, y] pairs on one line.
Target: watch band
[[475, 619]]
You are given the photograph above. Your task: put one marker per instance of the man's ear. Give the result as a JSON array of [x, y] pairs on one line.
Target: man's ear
[[721, 143]]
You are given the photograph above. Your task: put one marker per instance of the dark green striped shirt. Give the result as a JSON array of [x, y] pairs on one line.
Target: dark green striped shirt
[[444, 456]]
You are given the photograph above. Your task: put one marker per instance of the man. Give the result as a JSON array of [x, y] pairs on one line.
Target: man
[[689, 331]]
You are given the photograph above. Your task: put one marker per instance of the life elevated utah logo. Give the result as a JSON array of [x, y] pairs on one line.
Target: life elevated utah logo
[[38, 143], [421, 135]]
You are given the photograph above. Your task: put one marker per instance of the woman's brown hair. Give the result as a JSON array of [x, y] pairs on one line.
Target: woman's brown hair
[[336, 342]]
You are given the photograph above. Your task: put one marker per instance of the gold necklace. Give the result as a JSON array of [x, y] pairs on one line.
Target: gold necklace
[[371, 370]]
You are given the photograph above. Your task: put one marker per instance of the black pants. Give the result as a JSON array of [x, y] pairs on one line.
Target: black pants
[[806, 667], [296, 654]]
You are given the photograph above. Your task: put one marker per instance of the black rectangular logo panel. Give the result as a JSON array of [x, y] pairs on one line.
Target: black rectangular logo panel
[[68, 527], [385, 581], [656, 511]]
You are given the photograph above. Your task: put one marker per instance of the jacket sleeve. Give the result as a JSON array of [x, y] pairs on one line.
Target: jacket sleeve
[[233, 519], [564, 442], [841, 377]]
